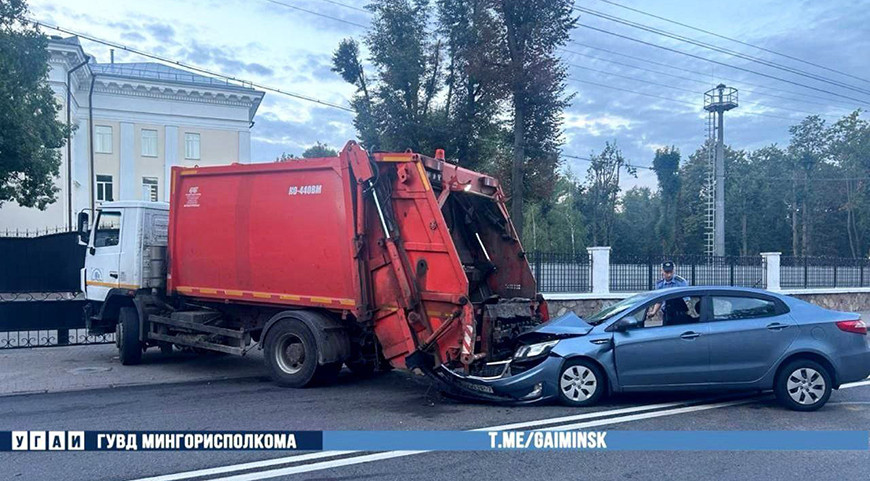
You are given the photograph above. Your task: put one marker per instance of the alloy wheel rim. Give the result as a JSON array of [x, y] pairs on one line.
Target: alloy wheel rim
[[806, 386], [290, 353], [578, 383]]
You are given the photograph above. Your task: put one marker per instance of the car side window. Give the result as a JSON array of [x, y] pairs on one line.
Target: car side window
[[731, 308], [673, 311]]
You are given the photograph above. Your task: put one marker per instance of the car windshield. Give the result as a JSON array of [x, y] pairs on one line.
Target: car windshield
[[614, 309]]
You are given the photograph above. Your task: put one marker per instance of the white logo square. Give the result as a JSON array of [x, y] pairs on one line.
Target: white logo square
[[56, 440], [37, 440]]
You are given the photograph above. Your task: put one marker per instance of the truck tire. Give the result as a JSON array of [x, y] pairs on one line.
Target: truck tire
[[803, 385], [129, 347], [291, 356]]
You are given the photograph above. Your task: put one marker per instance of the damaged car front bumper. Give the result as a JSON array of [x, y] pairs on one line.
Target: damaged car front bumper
[[506, 382]]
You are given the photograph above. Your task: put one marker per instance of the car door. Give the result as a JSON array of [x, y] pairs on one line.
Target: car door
[[102, 265], [653, 356], [748, 334]]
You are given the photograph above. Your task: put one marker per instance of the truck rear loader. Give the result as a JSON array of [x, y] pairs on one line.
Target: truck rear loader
[[367, 260]]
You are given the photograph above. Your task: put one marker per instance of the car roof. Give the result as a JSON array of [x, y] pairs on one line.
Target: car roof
[[717, 289]]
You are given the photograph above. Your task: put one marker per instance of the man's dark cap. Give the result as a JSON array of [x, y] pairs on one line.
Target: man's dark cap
[[668, 266]]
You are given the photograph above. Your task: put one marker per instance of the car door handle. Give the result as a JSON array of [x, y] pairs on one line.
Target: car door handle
[[689, 335], [776, 326], [113, 275]]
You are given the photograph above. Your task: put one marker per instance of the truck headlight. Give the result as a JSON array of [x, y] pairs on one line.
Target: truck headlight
[[534, 350]]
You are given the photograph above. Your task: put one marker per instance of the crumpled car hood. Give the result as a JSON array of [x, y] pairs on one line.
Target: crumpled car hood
[[567, 325]]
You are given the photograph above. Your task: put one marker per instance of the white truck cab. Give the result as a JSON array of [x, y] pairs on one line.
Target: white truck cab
[[126, 248]]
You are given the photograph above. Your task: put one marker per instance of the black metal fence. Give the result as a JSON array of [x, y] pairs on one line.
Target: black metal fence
[[48, 263], [821, 272], [40, 301], [44, 319], [640, 273], [557, 272]]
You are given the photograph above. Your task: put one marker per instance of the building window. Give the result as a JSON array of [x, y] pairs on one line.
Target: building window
[[104, 188], [149, 143], [191, 146], [149, 189], [103, 139]]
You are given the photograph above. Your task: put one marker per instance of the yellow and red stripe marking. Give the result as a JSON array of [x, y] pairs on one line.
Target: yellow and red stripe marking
[[273, 296]]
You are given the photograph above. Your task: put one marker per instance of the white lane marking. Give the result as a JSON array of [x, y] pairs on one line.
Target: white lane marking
[[326, 454], [397, 454], [577, 417], [305, 468], [855, 384], [635, 417], [252, 465]]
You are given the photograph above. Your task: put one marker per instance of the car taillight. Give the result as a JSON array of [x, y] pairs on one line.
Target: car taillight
[[857, 326]]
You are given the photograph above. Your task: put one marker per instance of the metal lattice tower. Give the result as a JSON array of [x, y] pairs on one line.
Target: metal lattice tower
[[717, 101]]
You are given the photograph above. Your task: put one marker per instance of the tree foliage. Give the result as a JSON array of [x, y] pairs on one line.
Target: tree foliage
[[30, 133], [319, 150], [810, 197], [482, 81]]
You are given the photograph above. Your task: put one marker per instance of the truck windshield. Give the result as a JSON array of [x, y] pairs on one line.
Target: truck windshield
[[614, 309]]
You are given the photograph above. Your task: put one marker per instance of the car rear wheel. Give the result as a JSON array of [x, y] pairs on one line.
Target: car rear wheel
[[803, 385], [580, 383]]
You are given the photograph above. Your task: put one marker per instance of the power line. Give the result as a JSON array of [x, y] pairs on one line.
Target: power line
[[346, 6], [190, 67], [673, 87], [697, 29], [715, 48], [703, 74], [762, 74], [312, 12]]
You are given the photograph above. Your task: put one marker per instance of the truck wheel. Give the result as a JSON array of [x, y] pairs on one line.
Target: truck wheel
[[291, 354], [580, 383], [129, 347], [803, 385]]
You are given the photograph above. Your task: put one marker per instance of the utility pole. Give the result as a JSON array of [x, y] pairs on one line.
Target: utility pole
[[717, 101]]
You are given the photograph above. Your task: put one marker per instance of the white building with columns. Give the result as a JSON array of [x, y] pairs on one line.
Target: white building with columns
[[146, 118]]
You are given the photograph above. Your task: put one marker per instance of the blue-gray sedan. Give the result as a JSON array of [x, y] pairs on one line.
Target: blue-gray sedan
[[688, 338]]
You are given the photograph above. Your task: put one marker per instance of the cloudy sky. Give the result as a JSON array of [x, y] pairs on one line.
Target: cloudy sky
[[641, 96]]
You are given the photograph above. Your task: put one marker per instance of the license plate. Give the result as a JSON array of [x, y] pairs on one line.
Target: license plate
[[476, 387]]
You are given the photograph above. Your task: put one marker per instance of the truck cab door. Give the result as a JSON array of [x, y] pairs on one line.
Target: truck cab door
[[103, 257]]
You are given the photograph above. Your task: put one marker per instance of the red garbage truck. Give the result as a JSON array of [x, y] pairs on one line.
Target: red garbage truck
[[366, 260]]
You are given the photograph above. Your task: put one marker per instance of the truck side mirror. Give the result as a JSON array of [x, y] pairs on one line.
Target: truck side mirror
[[84, 232]]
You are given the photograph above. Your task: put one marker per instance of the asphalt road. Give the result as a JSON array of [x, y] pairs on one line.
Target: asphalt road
[[399, 401]]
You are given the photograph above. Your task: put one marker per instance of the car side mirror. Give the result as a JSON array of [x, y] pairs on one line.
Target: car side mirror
[[624, 324], [83, 222]]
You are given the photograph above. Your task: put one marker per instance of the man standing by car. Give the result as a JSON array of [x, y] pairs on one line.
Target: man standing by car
[[673, 308]]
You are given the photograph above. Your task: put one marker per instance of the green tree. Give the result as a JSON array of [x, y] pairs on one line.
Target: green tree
[[849, 148], [636, 221], [533, 30], [30, 133], [556, 223], [666, 165], [602, 192], [319, 150], [807, 150]]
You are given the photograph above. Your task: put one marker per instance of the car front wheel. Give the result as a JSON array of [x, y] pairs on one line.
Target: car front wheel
[[803, 385], [581, 383]]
